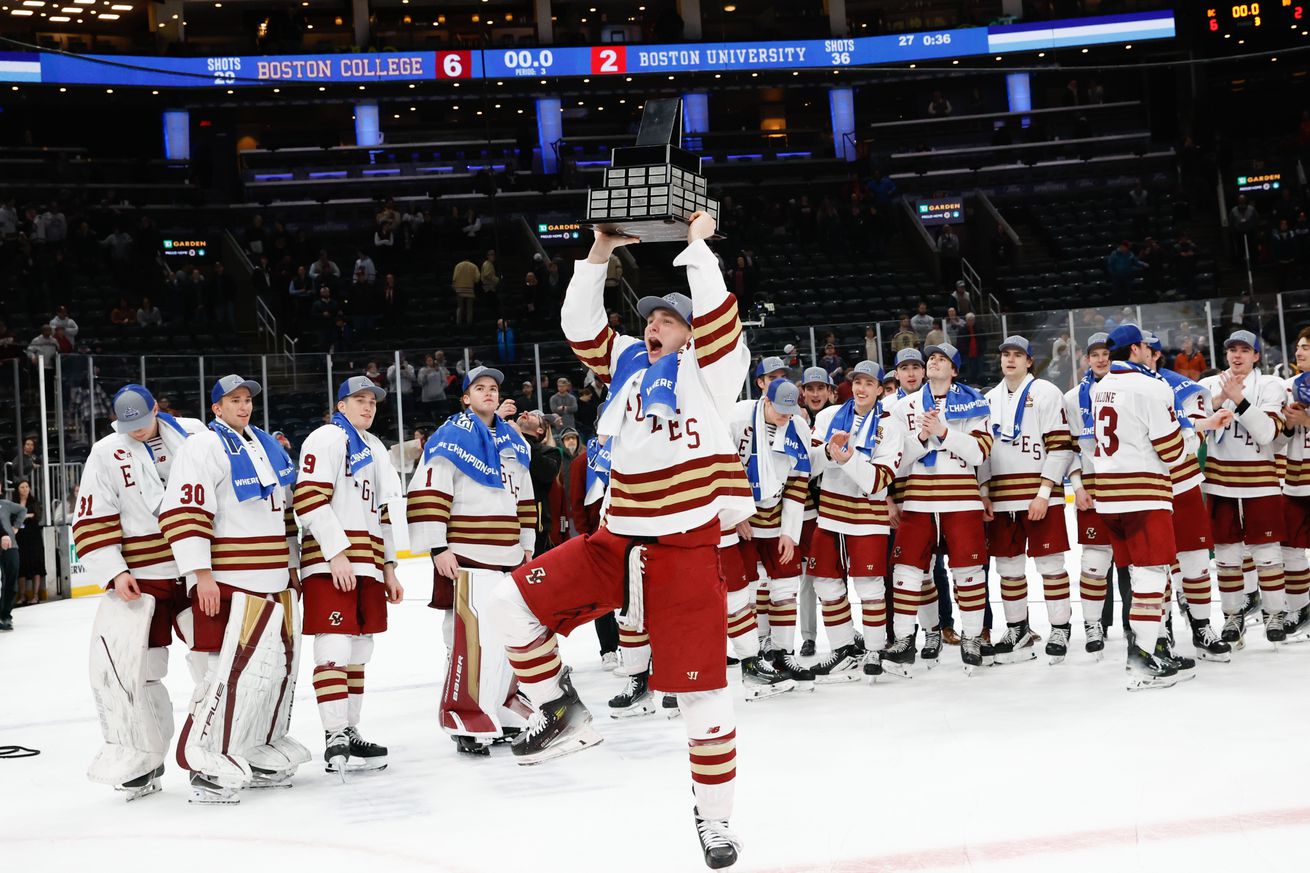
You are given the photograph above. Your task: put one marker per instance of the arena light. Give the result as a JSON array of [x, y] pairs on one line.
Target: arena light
[[33, 2], [121, 8], [109, 16]]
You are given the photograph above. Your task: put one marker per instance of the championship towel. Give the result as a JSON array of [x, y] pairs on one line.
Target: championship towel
[[1011, 411], [961, 402], [598, 471], [252, 480], [1088, 429], [763, 470], [358, 453], [865, 441], [475, 449], [1183, 388], [658, 389]]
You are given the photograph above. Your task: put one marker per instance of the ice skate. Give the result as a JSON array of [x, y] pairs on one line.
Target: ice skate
[[1296, 624], [610, 661], [669, 706], [840, 666], [466, 745], [1165, 654], [142, 786], [261, 778], [761, 681], [1234, 631], [207, 789], [1057, 647], [1016, 645], [932, 648], [1208, 645], [634, 700], [720, 845], [872, 667], [1252, 607], [1145, 671], [560, 727], [986, 649], [971, 654], [898, 658], [1095, 636], [364, 755], [807, 649], [784, 663], [1275, 632], [336, 752]]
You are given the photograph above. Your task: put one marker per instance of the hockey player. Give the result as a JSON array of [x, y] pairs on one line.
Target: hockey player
[[1296, 491], [226, 514], [816, 396], [1137, 440], [472, 504], [1241, 486], [1023, 492], [947, 437], [1191, 521], [857, 451], [766, 371], [345, 492], [773, 441], [116, 533], [1093, 537], [675, 482]]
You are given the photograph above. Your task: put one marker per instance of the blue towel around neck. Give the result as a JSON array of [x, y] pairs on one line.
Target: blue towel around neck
[[358, 453], [962, 402], [475, 449], [245, 480]]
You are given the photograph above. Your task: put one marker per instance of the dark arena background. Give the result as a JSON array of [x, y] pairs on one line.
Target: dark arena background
[[300, 192]]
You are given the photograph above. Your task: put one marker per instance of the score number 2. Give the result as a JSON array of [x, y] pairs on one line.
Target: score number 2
[[609, 59]]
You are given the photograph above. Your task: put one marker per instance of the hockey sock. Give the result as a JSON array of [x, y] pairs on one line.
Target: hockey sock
[[907, 585], [1269, 570], [361, 651], [1194, 568], [1296, 575], [1014, 587], [331, 680], [971, 597], [1250, 578], [1055, 588], [930, 611], [634, 647], [537, 666], [873, 608], [835, 607], [1147, 608], [741, 633], [1231, 591], [1092, 587], [712, 743], [763, 611]]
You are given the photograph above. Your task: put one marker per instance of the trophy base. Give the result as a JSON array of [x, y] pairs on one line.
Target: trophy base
[[648, 230]]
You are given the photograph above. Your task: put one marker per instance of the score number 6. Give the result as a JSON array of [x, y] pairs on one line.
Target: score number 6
[[454, 65]]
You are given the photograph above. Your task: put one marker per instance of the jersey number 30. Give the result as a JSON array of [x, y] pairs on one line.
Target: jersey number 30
[[1107, 443]]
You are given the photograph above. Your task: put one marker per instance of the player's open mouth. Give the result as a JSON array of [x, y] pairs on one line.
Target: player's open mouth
[[653, 345]]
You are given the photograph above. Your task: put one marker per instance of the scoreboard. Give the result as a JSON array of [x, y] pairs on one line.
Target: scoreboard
[[1255, 18]]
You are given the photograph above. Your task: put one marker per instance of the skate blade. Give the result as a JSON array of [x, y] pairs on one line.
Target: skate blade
[[366, 768], [633, 711], [261, 785], [207, 799], [970, 669], [138, 793], [929, 663], [671, 714], [1055, 659], [1185, 676], [1098, 656], [583, 738], [1016, 657], [1214, 657], [900, 671], [1147, 684], [764, 692], [337, 765], [837, 678]]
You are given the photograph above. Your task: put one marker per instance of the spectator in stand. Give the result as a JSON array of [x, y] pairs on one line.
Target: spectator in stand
[[961, 292], [391, 300], [543, 469], [1189, 361], [122, 313], [553, 288], [936, 336], [9, 346], [43, 346], [384, 243], [971, 350], [1139, 208], [433, 379], [506, 351], [27, 463], [62, 342], [844, 385], [882, 189], [119, 246], [148, 314], [31, 548], [1185, 264], [1151, 255], [564, 404], [531, 291], [831, 361], [1060, 366], [342, 337], [939, 106], [741, 282], [223, 289], [588, 406], [1243, 219], [1123, 265], [490, 279], [405, 456], [922, 321], [374, 373], [64, 320], [301, 286], [364, 266], [871, 350], [526, 398], [1095, 92], [905, 336], [1070, 95], [324, 271], [948, 250], [256, 236], [401, 379], [283, 441], [324, 315], [463, 281], [952, 325], [615, 321], [1283, 248]]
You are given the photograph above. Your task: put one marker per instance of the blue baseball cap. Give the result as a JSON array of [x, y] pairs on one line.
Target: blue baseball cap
[[771, 364], [946, 350], [1153, 340], [478, 372], [866, 368], [356, 384], [1243, 337], [1125, 335], [909, 356], [134, 408], [677, 303], [230, 383], [783, 395], [1017, 342], [816, 375]]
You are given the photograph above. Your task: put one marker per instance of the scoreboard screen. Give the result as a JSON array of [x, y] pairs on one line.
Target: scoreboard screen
[[1255, 18]]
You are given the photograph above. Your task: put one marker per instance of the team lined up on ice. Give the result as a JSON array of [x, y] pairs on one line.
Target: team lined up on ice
[[699, 503]]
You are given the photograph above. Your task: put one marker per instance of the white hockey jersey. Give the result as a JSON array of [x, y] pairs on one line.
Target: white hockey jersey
[[1185, 473], [853, 496], [668, 477], [344, 513], [116, 526], [1239, 460], [1137, 441], [1041, 449], [951, 483], [1082, 466], [1294, 452], [249, 545], [493, 527], [781, 512]]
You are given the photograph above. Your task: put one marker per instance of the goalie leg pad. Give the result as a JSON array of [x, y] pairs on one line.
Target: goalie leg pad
[[479, 698], [280, 752], [120, 664]]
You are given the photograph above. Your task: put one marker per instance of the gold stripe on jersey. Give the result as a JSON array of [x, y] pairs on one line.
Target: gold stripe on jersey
[[796, 489], [483, 530], [1281, 462], [687, 486], [97, 533], [984, 441], [186, 521], [856, 510], [1241, 474], [146, 551], [289, 523], [364, 548], [250, 553], [767, 519], [1128, 487], [595, 353], [716, 333], [432, 507], [528, 514], [1188, 469], [310, 496], [1170, 446], [938, 488], [1297, 472], [1019, 486], [1057, 441]]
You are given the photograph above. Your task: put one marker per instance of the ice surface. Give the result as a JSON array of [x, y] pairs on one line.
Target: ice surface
[[1022, 768]]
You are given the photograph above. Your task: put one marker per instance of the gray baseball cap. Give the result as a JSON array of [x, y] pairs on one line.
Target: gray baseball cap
[[784, 396], [771, 364], [230, 383], [1100, 338], [948, 351], [677, 303], [866, 368], [355, 384], [816, 375], [478, 372], [134, 408], [1014, 341], [909, 356], [1244, 337]]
